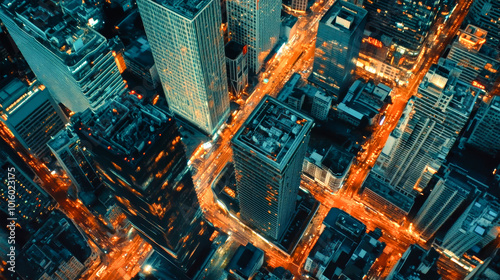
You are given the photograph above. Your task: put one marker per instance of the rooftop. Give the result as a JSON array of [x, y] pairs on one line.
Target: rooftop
[[45, 21], [273, 131], [57, 240], [344, 223], [11, 92], [444, 78], [61, 139], [344, 16], [384, 190], [234, 49], [186, 8], [140, 51], [245, 259], [125, 126], [417, 256]]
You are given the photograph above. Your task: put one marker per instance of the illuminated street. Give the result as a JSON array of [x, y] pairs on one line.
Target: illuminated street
[[146, 175], [396, 237]]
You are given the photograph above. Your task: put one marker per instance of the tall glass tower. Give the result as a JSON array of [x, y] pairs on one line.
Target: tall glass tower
[[255, 23], [188, 48], [139, 155], [337, 46], [269, 150], [74, 62]]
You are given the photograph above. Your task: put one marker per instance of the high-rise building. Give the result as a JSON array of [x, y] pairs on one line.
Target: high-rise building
[[416, 263], [76, 161], [404, 25], [480, 62], [256, 24], [139, 155], [74, 62], [58, 250], [450, 191], [31, 201], [188, 49], [485, 14], [268, 151], [31, 115], [237, 67], [474, 226], [486, 129], [337, 46], [429, 130]]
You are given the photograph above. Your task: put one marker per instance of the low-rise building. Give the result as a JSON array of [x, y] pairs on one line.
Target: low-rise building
[[416, 264], [246, 262], [363, 101], [344, 250], [140, 62], [330, 169], [321, 105], [56, 251], [381, 196]]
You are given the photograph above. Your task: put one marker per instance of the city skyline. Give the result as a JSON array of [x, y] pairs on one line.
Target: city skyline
[[247, 139]]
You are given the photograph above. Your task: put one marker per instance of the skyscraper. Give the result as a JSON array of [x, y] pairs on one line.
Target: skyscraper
[[485, 14], [337, 46], [31, 115], [480, 62], [256, 24], [404, 25], [188, 49], [440, 110], [74, 62], [474, 226], [139, 155], [269, 149], [486, 129], [450, 191]]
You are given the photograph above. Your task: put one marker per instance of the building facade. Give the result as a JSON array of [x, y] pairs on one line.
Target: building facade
[[427, 133], [36, 202], [337, 46], [188, 50], [486, 129], [330, 169], [256, 24], [31, 115], [474, 226], [450, 191], [139, 155], [480, 62], [75, 161], [74, 62], [321, 106], [485, 14], [268, 152]]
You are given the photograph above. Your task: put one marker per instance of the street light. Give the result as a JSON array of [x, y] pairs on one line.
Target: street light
[[148, 268]]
